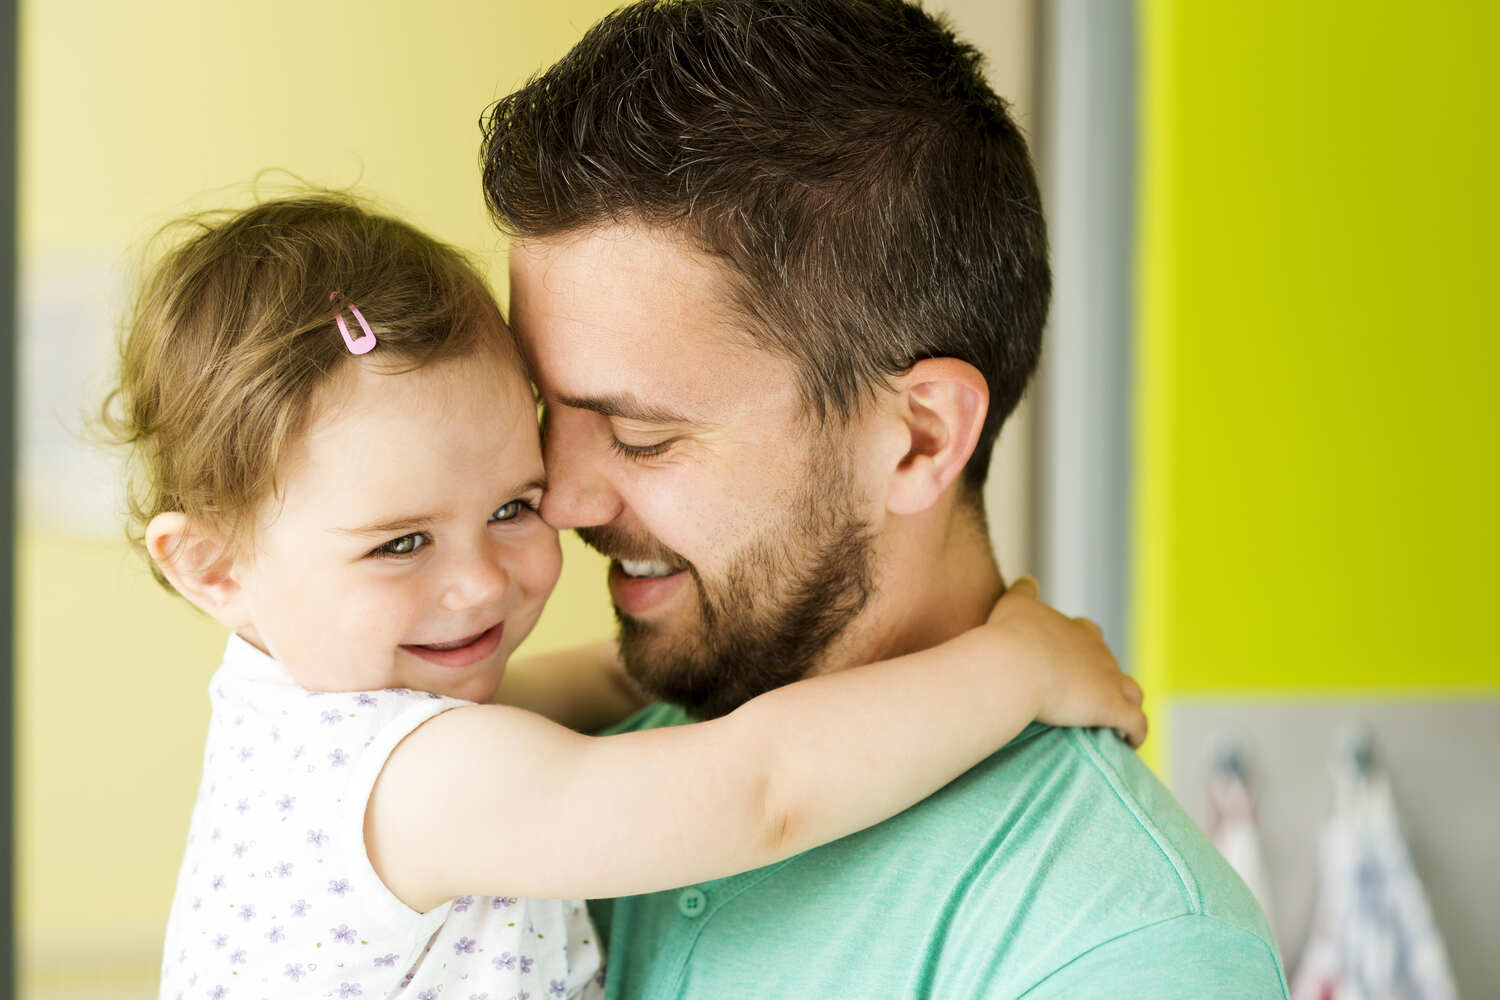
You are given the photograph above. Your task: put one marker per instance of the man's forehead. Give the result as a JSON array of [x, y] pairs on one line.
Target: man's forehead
[[630, 317]]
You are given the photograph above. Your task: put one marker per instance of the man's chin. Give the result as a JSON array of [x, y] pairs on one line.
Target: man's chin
[[670, 664]]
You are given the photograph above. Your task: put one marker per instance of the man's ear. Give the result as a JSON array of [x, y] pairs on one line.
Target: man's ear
[[941, 404], [197, 562]]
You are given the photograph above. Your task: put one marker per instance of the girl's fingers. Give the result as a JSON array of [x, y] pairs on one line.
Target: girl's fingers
[[1026, 585], [1090, 624]]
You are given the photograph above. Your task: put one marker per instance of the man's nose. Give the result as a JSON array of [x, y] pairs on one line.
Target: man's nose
[[579, 493], [480, 580]]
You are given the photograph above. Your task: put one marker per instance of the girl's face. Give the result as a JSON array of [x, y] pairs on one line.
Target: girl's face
[[405, 549]]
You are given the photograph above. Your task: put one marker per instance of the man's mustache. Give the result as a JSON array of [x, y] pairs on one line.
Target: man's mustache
[[613, 543]]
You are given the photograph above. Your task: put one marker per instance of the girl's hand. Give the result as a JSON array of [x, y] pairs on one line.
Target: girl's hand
[[1079, 681]]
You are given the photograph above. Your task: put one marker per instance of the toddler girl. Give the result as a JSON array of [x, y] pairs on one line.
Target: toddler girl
[[337, 458]]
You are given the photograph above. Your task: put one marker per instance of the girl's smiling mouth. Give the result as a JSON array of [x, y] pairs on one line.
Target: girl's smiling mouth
[[461, 652]]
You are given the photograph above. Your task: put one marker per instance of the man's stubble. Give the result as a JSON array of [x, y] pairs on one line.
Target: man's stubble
[[771, 615]]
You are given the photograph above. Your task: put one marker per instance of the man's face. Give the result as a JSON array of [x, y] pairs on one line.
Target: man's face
[[734, 523]]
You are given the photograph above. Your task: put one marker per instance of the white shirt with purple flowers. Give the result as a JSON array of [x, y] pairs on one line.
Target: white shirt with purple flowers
[[276, 896]]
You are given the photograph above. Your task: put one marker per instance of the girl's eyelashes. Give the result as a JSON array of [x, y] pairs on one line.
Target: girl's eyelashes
[[512, 510], [406, 545], [403, 546], [638, 453]]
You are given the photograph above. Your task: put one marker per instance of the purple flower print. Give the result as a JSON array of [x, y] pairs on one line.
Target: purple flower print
[[343, 933], [294, 973], [215, 835], [197, 903], [332, 717], [555, 988], [366, 700], [246, 753], [465, 946], [221, 940], [479, 996], [523, 995], [317, 838], [462, 904], [275, 735], [503, 902], [238, 958], [505, 961], [526, 964], [387, 960], [217, 883], [297, 753], [300, 908], [283, 870], [276, 934], [285, 803], [217, 993], [339, 886], [240, 849], [427, 995], [247, 913], [349, 990], [338, 758]]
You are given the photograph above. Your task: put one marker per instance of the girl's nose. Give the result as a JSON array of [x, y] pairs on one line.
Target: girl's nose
[[479, 581]]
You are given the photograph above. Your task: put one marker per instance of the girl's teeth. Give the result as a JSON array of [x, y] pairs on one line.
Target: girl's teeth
[[643, 567]]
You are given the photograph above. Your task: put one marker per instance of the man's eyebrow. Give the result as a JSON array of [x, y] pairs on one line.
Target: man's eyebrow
[[414, 522], [628, 407]]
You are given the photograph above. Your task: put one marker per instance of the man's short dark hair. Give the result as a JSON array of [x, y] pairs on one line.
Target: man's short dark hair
[[874, 202]]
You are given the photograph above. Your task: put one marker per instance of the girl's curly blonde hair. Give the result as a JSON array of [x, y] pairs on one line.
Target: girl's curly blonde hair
[[232, 335]]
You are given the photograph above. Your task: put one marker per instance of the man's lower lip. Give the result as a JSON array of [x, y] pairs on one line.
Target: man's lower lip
[[637, 595], [464, 656]]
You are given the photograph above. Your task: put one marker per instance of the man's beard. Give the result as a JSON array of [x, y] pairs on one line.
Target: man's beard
[[770, 616]]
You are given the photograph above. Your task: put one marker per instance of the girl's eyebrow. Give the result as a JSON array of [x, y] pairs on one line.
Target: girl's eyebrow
[[412, 522], [403, 525]]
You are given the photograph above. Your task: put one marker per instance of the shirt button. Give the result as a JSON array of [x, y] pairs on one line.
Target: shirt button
[[691, 902]]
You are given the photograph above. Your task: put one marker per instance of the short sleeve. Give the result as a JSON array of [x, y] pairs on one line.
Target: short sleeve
[[1185, 957]]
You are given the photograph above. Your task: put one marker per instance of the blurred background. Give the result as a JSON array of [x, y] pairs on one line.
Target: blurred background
[[1262, 451]]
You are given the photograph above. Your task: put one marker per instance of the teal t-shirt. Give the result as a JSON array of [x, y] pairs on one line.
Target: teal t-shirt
[[1059, 867]]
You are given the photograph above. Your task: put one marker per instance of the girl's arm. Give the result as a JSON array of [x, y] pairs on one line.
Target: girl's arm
[[548, 812], [584, 688]]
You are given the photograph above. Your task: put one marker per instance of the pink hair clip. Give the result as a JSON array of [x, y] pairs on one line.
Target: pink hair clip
[[365, 342]]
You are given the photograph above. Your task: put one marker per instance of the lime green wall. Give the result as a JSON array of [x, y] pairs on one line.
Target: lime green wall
[[131, 114], [1317, 446]]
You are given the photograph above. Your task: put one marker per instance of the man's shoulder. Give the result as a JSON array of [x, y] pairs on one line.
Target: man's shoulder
[[1007, 878], [1074, 824], [1085, 801]]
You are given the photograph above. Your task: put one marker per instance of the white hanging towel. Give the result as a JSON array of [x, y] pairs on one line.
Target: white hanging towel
[[1233, 828], [1373, 936]]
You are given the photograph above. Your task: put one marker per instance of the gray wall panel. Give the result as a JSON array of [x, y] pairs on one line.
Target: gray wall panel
[[1443, 759]]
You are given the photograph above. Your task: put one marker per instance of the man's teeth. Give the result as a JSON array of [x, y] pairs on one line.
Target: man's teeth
[[644, 567]]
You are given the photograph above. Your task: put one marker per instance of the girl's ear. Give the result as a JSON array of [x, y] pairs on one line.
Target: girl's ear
[[197, 562]]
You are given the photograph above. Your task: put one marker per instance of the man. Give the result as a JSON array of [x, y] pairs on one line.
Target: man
[[780, 269]]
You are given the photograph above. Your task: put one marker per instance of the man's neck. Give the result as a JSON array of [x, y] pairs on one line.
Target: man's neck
[[933, 582]]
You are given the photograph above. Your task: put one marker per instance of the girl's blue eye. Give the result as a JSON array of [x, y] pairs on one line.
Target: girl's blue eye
[[403, 546], [510, 511]]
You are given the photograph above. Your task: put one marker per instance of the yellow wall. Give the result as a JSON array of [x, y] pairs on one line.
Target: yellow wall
[[131, 114], [1318, 444]]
